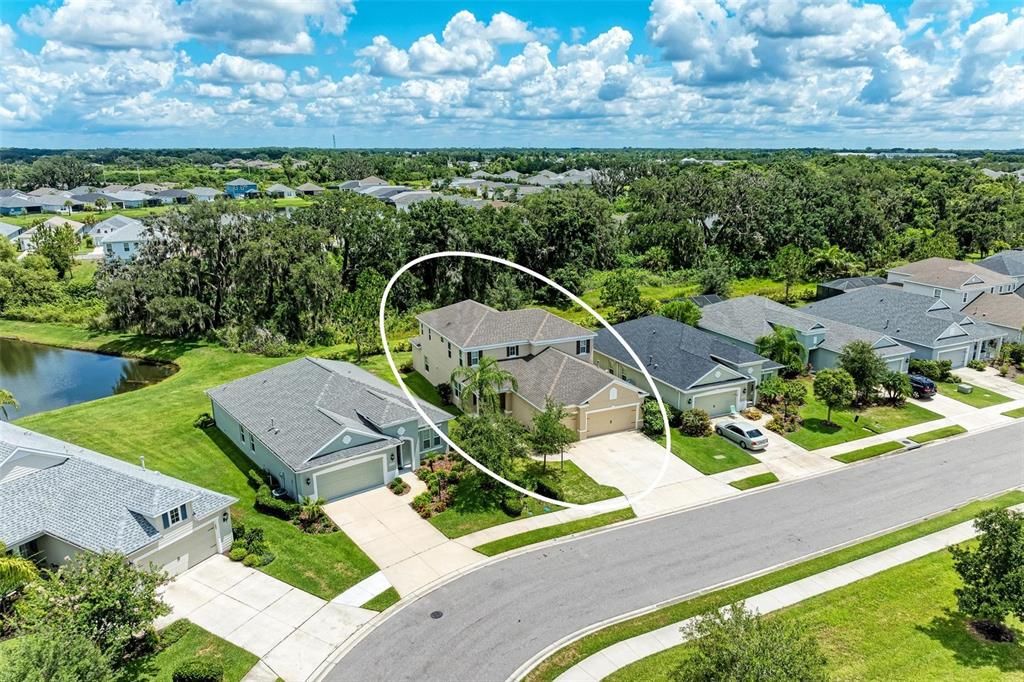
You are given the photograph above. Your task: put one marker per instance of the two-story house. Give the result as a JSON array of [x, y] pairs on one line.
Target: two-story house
[[240, 188], [955, 282], [57, 499], [549, 356], [323, 428]]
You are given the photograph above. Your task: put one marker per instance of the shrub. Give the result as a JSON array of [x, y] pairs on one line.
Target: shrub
[[695, 422], [512, 505], [421, 504], [175, 631], [783, 423], [653, 423], [977, 364], [256, 478], [204, 421], [237, 553], [238, 530], [251, 560], [675, 416], [406, 367], [399, 486], [268, 504], [936, 370], [444, 390], [752, 413], [198, 670], [1004, 369]]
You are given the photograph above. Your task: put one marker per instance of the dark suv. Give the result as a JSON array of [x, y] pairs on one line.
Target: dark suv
[[921, 386]]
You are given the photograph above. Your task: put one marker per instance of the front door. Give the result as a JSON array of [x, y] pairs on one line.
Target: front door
[[401, 462]]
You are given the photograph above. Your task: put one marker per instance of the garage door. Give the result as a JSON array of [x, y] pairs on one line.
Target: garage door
[[351, 479], [957, 357], [716, 404], [185, 553], [610, 421]]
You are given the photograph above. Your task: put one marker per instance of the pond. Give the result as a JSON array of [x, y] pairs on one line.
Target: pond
[[45, 377]]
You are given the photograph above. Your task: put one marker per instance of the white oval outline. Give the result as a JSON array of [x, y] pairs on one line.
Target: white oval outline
[[576, 299]]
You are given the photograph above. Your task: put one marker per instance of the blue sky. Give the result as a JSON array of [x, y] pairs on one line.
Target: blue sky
[[681, 73]]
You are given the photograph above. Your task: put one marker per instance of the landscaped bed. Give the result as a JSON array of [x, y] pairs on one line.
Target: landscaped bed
[[944, 432], [868, 452], [979, 397], [708, 454], [157, 422], [848, 425], [901, 624]]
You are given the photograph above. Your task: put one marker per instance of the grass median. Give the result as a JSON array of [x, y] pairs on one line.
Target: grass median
[[868, 452], [937, 434], [556, 531]]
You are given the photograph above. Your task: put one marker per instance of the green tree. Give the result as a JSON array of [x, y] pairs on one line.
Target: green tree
[[7, 399], [794, 395], [549, 434], [311, 511], [496, 441], [621, 291], [15, 571], [831, 261], [61, 172], [54, 654], [835, 388], [715, 273], [867, 369], [992, 572], [784, 347], [485, 382], [358, 317], [896, 386], [101, 597], [57, 244], [684, 310], [738, 644], [789, 266]]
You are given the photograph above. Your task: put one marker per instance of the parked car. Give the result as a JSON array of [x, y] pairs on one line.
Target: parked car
[[921, 386], [745, 434]]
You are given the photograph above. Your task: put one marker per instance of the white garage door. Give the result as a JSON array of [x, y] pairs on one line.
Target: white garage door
[[185, 553], [958, 357], [351, 479], [716, 404]]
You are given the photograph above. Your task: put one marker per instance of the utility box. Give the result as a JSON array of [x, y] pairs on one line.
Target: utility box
[[964, 388]]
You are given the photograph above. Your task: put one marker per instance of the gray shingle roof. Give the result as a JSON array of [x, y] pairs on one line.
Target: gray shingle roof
[[311, 402], [131, 232], [240, 182], [469, 324], [90, 500], [848, 283], [1009, 263], [278, 187], [309, 187], [204, 191], [901, 315], [551, 373], [9, 230], [673, 352]]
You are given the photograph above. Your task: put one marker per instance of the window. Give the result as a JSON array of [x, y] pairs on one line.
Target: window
[[460, 358], [425, 442], [426, 363], [512, 351], [965, 297], [449, 350], [241, 431], [252, 444], [583, 347], [456, 389], [613, 394], [474, 358], [437, 439], [421, 328], [429, 335], [176, 515], [127, 247]]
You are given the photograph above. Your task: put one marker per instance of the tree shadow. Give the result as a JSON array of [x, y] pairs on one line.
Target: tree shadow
[[148, 347], [232, 453], [816, 425], [970, 650], [474, 494]]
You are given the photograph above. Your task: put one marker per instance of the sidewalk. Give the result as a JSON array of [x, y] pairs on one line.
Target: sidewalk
[[607, 661]]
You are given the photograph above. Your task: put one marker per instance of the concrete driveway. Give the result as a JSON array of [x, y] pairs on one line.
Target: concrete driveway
[[409, 551], [785, 459], [630, 461], [291, 630], [991, 380]]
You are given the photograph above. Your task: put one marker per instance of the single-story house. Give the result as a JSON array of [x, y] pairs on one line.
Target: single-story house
[[43, 191], [383, 191], [83, 189], [927, 324], [148, 187], [955, 282], [240, 188], [19, 204], [57, 499], [10, 231], [113, 188], [691, 368], [279, 191], [106, 227], [324, 428], [98, 198], [125, 242], [404, 200], [843, 284], [58, 203], [132, 199], [204, 193], [1009, 263], [172, 196], [744, 320], [78, 228], [309, 189]]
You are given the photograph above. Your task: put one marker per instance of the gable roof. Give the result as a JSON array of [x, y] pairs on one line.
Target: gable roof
[[848, 283], [309, 187], [240, 182], [950, 274], [204, 191], [299, 408], [114, 222], [278, 187], [903, 316], [93, 501], [9, 230], [565, 379], [1009, 262], [58, 221], [172, 193], [469, 324], [130, 232], [673, 352], [1006, 310]]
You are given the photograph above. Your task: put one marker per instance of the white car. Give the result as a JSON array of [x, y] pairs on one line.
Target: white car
[[746, 435]]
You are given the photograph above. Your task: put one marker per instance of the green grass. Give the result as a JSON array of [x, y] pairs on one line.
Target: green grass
[[157, 422], [573, 653], [901, 624], [197, 642], [557, 531], [1014, 414], [710, 454], [979, 397], [755, 481], [815, 433], [573, 485], [474, 508], [868, 452], [944, 432], [383, 600]]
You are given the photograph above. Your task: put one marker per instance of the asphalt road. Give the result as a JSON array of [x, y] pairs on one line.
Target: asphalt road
[[498, 617]]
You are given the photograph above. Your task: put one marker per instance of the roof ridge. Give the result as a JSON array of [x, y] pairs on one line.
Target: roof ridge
[[479, 322], [558, 374]]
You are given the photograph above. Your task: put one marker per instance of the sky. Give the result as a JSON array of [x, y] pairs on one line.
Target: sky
[[600, 73]]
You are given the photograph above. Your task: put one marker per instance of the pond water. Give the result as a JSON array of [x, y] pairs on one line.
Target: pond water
[[45, 377]]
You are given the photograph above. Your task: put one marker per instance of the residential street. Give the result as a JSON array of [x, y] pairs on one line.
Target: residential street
[[497, 618]]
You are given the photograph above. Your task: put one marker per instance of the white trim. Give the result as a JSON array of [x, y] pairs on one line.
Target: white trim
[[615, 380]]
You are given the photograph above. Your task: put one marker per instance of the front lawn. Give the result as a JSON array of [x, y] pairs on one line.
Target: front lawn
[[196, 643], [560, 530], [755, 481], [709, 455], [901, 624], [850, 425], [868, 452], [383, 600], [944, 432], [979, 397], [156, 421], [474, 509], [571, 484]]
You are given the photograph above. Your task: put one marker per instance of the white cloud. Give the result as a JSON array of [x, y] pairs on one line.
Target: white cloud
[[227, 68], [216, 91], [7, 37], [266, 27], [143, 24], [986, 44]]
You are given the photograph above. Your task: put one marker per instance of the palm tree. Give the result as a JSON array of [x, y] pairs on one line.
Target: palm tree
[[782, 346], [15, 571], [311, 510], [485, 381], [833, 261], [7, 398]]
